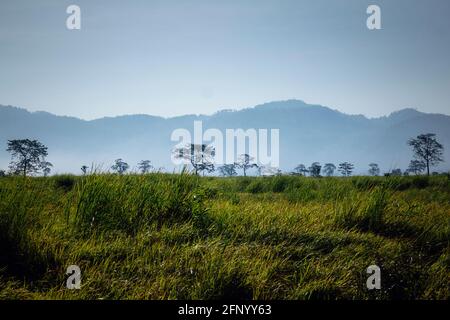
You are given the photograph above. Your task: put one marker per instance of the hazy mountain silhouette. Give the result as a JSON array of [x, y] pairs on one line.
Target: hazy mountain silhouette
[[308, 133]]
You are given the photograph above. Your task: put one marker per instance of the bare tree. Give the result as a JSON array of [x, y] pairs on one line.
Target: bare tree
[[27, 156], [328, 169], [145, 166], [427, 149], [245, 162], [374, 169], [346, 168], [120, 166]]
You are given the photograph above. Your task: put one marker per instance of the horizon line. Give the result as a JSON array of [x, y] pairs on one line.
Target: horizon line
[[223, 109]]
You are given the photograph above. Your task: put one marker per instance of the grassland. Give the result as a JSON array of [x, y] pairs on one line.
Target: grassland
[[163, 236]]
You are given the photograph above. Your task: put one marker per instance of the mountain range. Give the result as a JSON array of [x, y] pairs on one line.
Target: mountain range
[[308, 133]]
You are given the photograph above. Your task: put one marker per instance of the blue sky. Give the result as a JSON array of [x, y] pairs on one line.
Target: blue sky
[[181, 57]]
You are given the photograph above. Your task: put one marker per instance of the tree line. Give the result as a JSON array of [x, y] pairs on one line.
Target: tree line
[[28, 157]]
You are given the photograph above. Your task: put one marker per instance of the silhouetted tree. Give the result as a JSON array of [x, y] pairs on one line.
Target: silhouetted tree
[[374, 170], [314, 169], [228, 170], [27, 156], [301, 169], [120, 166], [396, 172], [427, 149], [328, 169], [145, 166], [200, 156], [2, 173], [416, 166], [84, 169], [346, 168], [206, 167], [245, 162], [46, 168]]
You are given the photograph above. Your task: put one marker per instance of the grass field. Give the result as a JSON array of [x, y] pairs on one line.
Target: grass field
[[162, 236]]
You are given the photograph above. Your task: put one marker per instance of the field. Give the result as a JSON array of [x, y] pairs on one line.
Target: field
[[161, 236]]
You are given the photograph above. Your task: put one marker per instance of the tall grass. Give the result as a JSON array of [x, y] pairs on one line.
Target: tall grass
[[161, 236], [21, 206], [364, 212], [130, 203]]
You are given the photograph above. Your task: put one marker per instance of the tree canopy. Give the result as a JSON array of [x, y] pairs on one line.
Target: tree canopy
[[427, 149], [120, 166], [346, 168], [27, 156], [245, 162], [200, 156]]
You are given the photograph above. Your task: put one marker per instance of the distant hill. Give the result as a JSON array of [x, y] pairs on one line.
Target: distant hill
[[308, 133]]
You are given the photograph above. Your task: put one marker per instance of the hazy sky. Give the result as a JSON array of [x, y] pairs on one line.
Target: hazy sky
[[192, 56]]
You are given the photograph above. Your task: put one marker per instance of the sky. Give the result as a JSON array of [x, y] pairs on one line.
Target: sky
[[171, 58]]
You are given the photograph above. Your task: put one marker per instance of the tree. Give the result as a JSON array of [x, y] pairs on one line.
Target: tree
[[46, 168], [120, 166], [427, 149], [145, 166], [314, 169], [301, 170], [374, 170], [346, 168], [245, 162], [2, 173], [200, 156], [396, 172], [328, 169], [416, 167], [84, 169], [228, 170], [27, 156]]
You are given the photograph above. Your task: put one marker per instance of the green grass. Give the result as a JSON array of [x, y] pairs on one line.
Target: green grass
[[162, 236]]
